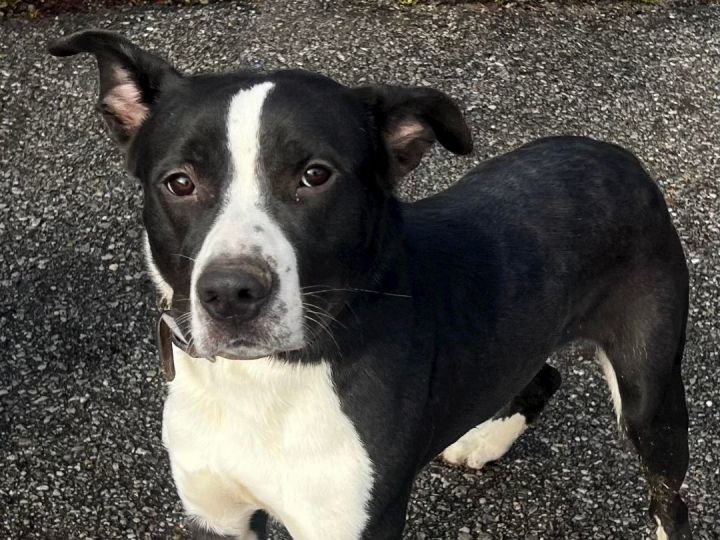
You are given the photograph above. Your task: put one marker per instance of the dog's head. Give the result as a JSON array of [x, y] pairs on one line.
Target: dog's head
[[260, 188]]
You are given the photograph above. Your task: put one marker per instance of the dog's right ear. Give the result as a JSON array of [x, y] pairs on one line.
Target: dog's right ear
[[130, 79], [411, 119]]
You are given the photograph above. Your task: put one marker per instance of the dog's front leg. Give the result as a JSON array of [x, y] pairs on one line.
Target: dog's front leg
[[389, 523], [216, 511], [257, 530]]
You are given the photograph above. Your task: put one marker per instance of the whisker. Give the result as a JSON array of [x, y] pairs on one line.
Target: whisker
[[322, 313], [181, 299], [327, 331], [369, 291], [322, 310], [309, 331], [357, 319], [183, 256], [183, 318], [191, 342]]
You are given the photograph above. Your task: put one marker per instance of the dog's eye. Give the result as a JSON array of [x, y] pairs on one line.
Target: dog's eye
[[180, 185], [315, 175]]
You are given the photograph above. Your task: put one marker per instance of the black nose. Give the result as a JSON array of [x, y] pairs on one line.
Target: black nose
[[234, 290]]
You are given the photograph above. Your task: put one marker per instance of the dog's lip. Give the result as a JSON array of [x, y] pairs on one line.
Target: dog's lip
[[241, 349], [237, 349], [240, 357]]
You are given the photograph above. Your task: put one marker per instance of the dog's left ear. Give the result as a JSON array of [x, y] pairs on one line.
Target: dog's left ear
[[131, 79], [411, 119]]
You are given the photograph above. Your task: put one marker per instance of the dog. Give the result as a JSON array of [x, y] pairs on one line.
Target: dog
[[325, 341]]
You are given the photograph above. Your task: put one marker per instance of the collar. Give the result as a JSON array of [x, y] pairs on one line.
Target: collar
[[169, 334]]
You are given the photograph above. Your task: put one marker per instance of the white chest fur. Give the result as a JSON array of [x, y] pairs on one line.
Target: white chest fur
[[244, 435]]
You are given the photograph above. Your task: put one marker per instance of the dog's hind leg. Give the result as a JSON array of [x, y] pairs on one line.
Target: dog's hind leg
[[641, 351], [492, 439]]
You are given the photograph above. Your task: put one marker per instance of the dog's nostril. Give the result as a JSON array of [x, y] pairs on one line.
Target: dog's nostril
[[210, 296], [245, 294]]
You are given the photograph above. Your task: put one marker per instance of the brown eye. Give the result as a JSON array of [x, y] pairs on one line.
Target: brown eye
[[315, 175], [180, 185]]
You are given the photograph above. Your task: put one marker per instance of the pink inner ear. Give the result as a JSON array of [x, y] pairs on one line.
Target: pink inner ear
[[124, 101], [405, 132]]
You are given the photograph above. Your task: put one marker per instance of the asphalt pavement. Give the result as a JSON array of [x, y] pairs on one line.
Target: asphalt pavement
[[80, 388]]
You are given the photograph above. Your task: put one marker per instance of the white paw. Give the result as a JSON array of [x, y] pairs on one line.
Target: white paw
[[474, 452], [456, 453], [483, 453], [487, 442]]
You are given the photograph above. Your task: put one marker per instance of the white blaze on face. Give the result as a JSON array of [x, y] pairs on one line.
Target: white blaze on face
[[244, 228]]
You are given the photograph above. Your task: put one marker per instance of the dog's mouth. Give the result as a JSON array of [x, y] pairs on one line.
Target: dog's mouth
[[242, 349], [170, 333]]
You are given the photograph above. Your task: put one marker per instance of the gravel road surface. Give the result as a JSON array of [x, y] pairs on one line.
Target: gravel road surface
[[80, 389]]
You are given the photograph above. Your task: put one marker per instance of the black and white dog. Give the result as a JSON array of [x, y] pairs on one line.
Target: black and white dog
[[329, 340]]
